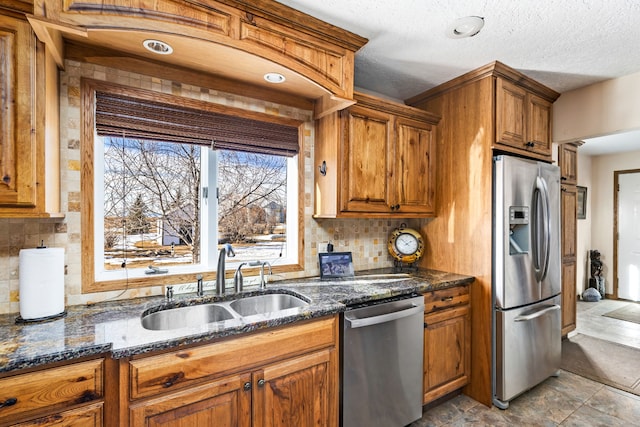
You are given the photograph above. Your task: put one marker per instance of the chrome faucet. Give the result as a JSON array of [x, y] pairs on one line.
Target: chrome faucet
[[200, 290], [263, 284], [237, 279], [226, 250]]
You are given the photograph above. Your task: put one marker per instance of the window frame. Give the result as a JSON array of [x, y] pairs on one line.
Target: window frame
[[87, 185]]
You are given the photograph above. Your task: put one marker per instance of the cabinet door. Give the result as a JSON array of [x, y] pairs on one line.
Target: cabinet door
[[414, 172], [17, 116], [301, 392], [568, 161], [511, 102], [224, 402], [523, 120], [447, 364], [538, 125], [568, 297], [568, 198], [366, 154]]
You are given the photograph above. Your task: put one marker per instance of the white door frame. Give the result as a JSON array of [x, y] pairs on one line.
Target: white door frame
[[615, 226]]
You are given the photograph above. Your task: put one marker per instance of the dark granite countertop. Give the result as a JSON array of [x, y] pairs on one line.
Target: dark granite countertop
[[115, 328]]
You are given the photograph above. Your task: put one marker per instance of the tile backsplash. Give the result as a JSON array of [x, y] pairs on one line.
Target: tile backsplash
[[365, 238]]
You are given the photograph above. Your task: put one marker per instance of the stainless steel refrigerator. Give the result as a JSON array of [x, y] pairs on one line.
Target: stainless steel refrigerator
[[526, 275]]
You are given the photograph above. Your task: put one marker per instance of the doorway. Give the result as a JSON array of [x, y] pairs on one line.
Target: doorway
[[626, 244]]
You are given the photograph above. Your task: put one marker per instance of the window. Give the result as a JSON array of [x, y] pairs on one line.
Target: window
[[168, 187]]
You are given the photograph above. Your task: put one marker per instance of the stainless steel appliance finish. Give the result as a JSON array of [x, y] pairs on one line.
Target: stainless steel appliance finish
[[382, 356], [526, 275]]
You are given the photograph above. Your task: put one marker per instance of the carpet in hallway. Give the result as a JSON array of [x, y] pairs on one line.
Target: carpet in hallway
[[630, 313], [606, 362]]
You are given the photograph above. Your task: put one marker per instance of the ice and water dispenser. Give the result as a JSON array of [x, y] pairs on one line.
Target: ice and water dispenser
[[518, 230]]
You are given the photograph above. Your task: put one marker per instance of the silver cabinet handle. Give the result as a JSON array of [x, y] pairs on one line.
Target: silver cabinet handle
[[537, 314], [384, 318], [261, 383]]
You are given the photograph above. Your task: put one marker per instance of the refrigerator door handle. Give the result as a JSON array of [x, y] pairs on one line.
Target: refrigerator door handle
[[537, 313], [542, 241]]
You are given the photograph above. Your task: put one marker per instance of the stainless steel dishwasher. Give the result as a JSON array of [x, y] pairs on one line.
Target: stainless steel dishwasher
[[382, 347]]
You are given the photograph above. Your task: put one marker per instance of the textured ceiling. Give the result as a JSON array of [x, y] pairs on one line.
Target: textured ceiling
[[564, 44], [610, 144]]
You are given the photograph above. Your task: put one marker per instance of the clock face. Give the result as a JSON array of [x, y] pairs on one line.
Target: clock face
[[406, 244]]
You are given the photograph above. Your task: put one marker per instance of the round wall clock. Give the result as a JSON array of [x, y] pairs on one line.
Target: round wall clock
[[406, 245]]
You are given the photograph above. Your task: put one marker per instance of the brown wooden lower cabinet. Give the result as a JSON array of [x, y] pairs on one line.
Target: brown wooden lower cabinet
[[281, 377], [293, 392], [447, 342], [568, 296], [569, 201], [69, 395]]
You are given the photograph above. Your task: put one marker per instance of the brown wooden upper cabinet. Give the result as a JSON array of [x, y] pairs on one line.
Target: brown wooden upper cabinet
[[523, 119], [515, 109], [18, 144], [29, 167], [568, 161], [375, 159], [249, 39]]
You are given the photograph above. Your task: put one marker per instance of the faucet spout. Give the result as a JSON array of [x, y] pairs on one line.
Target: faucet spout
[[226, 250], [263, 283], [238, 279]]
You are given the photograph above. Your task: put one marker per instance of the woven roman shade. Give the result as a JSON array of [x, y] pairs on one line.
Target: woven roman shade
[[118, 115]]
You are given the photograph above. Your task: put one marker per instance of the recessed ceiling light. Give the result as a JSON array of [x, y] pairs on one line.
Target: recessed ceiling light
[[274, 77], [157, 46], [468, 26]]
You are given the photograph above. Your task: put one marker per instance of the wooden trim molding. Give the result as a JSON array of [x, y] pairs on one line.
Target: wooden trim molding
[[497, 69]]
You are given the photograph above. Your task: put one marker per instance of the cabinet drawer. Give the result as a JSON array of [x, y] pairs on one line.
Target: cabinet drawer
[[444, 298], [169, 371], [51, 388], [85, 416]]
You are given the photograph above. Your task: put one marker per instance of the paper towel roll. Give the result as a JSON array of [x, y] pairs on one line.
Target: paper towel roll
[[41, 282]]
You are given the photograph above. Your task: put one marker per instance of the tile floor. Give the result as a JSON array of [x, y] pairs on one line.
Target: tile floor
[[566, 400]]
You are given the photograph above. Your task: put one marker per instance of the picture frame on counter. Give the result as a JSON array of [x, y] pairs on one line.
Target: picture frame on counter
[[335, 265], [581, 211]]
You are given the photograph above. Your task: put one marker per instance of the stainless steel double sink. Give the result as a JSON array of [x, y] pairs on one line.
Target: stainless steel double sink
[[241, 308]]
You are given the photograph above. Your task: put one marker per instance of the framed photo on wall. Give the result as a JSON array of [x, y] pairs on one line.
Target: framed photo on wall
[[582, 202]]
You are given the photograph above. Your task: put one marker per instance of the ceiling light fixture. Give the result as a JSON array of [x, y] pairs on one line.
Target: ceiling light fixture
[[468, 26], [157, 46], [274, 78]]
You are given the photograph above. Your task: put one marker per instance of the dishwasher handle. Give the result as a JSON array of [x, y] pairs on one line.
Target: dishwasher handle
[[384, 318]]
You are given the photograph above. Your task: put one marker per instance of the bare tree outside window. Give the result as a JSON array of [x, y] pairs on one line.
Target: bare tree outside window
[[249, 185], [152, 201], [164, 178]]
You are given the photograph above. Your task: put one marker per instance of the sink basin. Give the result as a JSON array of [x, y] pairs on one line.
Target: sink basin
[[197, 315], [182, 317], [267, 303]]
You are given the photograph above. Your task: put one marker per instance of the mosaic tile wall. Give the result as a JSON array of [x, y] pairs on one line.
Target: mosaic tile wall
[[366, 239]]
